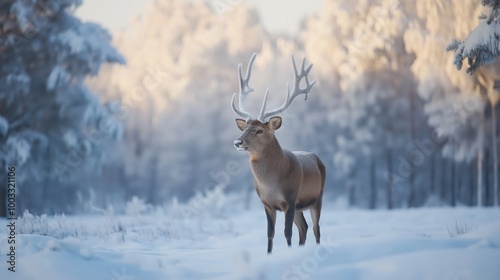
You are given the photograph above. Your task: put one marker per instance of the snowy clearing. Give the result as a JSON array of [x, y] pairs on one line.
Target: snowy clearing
[[356, 244]]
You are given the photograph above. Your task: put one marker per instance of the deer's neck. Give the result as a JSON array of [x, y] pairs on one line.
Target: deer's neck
[[269, 161]]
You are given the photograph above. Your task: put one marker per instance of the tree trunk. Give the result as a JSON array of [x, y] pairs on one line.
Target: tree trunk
[[389, 183], [459, 189], [442, 193], [153, 182], [45, 197], [351, 188], [495, 155], [411, 179], [124, 182], [433, 173], [486, 169], [373, 184], [453, 201], [479, 178], [480, 156], [411, 192], [352, 194], [471, 183]]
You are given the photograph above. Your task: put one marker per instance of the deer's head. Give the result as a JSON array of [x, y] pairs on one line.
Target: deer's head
[[258, 133]]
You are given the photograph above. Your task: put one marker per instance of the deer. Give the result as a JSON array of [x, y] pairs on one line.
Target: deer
[[286, 181]]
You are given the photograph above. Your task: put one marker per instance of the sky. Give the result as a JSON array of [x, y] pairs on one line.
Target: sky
[[277, 15]]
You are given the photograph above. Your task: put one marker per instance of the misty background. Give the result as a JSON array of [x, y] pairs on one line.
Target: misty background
[[91, 118]]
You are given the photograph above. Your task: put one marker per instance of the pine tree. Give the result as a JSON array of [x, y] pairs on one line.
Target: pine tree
[[52, 127], [481, 47]]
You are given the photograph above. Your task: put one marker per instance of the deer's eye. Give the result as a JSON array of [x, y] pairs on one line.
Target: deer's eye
[[260, 131]]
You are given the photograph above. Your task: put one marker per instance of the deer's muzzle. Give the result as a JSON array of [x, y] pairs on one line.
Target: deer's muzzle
[[238, 145]]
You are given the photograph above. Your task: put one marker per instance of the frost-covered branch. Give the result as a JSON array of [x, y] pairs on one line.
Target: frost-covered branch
[[482, 45]]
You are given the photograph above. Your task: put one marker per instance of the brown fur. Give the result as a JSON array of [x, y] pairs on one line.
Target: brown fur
[[285, 181]]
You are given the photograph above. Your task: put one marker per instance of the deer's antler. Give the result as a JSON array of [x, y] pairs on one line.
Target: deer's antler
[[290, 94], [245, 89]]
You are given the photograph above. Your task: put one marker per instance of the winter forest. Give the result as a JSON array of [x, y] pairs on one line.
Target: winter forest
[[91, 119]]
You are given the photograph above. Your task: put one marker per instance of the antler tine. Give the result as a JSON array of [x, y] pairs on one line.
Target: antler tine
[[304, 72], [263, 108], [241, 113], [245, 89], [291, 94]]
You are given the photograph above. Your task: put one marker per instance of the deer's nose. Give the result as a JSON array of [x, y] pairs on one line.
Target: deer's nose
[[238, 142]]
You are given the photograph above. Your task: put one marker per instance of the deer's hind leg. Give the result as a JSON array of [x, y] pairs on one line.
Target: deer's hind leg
[[315, 214], [301, 224]]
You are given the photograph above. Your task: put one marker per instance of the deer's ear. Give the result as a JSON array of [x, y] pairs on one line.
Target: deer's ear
[[241, 124], [275, 123]]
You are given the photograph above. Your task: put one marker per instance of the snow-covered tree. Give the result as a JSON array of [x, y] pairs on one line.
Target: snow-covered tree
[[482, 46], [380, 63], [182, 58], [52, 127], [454, 101], [368, 89], [325, 36]]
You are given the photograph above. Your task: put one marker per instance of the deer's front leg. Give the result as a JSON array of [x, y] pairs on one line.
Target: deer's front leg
[[289, 215], [271, 222]]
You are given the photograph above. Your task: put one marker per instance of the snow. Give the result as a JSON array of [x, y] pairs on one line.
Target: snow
[[484, 35], [481, 46], [356, 244], [20, 148], [58, 77]]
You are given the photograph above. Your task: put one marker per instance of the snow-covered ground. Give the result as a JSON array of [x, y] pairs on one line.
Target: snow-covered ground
[[432, 243]]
